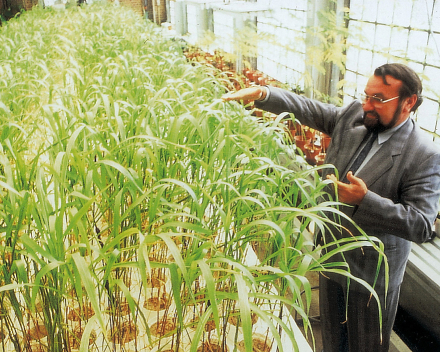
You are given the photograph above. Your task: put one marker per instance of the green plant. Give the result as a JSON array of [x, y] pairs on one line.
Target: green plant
[[123, 171]]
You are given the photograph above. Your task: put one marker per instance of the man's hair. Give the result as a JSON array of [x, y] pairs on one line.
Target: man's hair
[[411, 83]]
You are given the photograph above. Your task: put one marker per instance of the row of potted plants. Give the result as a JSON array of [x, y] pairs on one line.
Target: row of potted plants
[[225, 62]]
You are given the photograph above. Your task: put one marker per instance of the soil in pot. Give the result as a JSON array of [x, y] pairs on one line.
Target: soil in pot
[[163, 327], [123, 333], [156, 280], [235, 318], [76, 335], [209, 326], [37, 332], [78, 314], [258, 345], [212, 346], [123, 308], [157, 303]]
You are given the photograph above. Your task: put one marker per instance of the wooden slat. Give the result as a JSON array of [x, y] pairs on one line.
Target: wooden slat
[[426, 257], [420, 290], [397, 345]]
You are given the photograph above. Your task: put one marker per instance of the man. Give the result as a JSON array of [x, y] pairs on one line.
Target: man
[[393, 195]]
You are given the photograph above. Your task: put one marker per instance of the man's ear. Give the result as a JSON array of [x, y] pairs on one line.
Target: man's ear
[[409, 103]]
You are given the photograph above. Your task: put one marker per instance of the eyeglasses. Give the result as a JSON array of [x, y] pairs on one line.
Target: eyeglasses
[[374, 100]]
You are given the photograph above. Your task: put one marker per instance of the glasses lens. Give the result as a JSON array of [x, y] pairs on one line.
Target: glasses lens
[[373, 99]]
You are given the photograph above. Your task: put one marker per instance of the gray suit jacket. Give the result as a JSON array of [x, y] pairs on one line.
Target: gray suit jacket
[[403, 180]]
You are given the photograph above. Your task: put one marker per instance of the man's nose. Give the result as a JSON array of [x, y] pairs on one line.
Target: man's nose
[[367, 105]]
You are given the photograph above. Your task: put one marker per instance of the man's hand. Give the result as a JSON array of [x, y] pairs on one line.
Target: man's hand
[[350, 193], [246, 94]]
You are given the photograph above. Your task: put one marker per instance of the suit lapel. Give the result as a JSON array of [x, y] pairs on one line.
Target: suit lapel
[[380, 163]]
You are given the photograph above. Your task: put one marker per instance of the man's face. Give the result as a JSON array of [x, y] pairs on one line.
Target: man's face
[[382, 116]]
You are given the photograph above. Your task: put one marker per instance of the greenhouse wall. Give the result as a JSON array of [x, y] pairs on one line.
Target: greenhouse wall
[[284, 60]]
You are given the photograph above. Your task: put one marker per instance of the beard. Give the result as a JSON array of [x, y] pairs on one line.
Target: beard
[[372, 120]]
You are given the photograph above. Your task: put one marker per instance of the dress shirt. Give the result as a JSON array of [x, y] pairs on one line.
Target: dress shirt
[[382, 137]]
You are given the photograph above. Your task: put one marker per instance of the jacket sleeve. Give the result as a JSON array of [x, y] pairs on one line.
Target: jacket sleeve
[[317, 115]]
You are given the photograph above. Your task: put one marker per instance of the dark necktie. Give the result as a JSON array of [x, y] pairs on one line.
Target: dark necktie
[[370, 137]]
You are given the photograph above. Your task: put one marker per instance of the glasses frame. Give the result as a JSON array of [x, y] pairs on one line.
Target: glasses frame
[[375, 100]]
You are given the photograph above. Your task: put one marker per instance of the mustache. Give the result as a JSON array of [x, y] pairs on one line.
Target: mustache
[[372, 113]]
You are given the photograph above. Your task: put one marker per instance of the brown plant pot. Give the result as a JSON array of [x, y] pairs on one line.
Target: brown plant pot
[[293, 128], [235, 83], [307, 132], [257, 76], [250, 75], [325, 142], [262, 81], [300, 142], [320, 158], [311, 152]]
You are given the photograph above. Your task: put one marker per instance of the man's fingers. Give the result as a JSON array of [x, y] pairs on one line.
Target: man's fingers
[[229, 96], [251, 93], [353, 179], [332, 178]]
